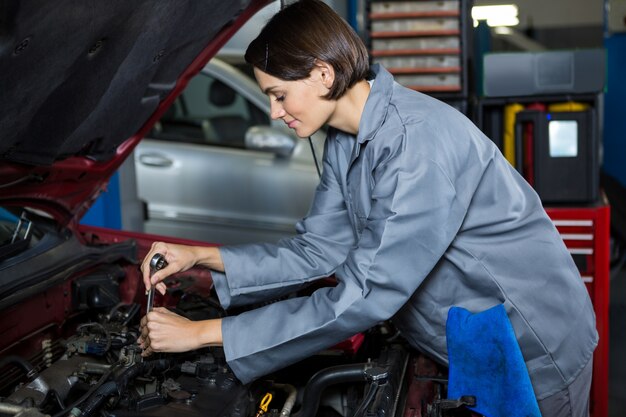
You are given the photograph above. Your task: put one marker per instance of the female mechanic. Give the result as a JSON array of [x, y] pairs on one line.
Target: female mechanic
[[416, 211]]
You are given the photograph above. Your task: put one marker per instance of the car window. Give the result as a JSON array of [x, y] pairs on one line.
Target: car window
[[209, 111]]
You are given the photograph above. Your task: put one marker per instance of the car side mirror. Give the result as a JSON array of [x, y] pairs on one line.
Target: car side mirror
[[269, 139]]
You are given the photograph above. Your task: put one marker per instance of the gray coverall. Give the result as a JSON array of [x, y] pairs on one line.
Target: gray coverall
[[419, 212]]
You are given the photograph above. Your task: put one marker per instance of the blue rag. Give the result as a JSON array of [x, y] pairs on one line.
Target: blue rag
[[486, 362]]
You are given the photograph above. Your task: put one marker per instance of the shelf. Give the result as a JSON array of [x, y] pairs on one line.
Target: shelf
[[409, 15], [423, 43], [435, 88], [430, 51], [434, 70], [415, 33]]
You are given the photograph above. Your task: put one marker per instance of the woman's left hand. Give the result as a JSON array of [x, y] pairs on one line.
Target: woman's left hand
[[165, 331]]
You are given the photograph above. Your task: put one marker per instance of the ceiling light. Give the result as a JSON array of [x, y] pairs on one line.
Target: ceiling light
[[503, 30], [496, 15]]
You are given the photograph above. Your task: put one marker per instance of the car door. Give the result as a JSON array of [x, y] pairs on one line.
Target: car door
[[199, 179]]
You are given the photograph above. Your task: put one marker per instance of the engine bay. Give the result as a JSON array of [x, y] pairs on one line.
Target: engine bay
[[71, 350]]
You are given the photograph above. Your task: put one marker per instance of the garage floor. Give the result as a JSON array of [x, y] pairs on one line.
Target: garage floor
[[617, 346]]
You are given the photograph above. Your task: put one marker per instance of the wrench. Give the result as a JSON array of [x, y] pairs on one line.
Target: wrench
[[157, 262]]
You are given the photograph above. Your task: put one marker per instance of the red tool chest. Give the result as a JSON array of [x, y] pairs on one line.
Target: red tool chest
[[586, 231]]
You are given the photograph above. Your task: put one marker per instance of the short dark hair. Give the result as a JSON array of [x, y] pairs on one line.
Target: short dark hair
[[302, 32]]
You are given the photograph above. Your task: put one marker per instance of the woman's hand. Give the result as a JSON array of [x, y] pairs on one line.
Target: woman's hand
[[165, 331], [179, 258]]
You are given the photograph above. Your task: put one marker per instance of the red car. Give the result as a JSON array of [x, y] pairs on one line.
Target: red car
[[80, 85]]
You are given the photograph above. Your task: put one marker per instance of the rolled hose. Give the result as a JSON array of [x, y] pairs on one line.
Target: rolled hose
[[325, 378]]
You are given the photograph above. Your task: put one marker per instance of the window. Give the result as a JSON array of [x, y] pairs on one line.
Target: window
[[209, 111]]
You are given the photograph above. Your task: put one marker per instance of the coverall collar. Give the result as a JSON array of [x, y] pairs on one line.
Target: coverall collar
[[375, 110]]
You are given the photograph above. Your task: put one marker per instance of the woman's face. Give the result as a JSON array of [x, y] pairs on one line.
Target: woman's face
[[300, 104]]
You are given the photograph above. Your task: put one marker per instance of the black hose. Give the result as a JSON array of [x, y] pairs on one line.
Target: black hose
[[371, 393], [132, 311], [118, 384], [98, 397], [31, 372], [325, 378], [88, 394], [93, 397], [17, 360]]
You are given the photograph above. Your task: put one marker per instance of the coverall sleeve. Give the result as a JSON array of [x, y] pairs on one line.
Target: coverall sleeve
[[413, 219], [260, 272]]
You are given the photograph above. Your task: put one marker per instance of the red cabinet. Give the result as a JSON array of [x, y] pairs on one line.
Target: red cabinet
[[585, 231]]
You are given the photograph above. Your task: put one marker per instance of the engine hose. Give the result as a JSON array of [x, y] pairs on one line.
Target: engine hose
[[98, 397], [371, 393], [325, 378], [107, 389], [292, 393], [18, 360], [32, 375], [88, 394], [119, 383]]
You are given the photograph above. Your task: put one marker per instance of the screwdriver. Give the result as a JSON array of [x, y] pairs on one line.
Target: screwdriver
[[157, 263]]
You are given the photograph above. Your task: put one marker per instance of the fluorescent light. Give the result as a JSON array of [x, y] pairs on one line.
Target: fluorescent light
[[487, 12], [503, 30], [497, 15]]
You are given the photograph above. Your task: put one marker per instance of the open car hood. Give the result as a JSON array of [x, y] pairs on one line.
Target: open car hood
[[82, 82]]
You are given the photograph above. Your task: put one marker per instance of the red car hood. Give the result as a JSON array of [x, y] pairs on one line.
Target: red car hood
[[82, 82]]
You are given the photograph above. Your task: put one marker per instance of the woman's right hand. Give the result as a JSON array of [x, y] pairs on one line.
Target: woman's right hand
[[178, 257]]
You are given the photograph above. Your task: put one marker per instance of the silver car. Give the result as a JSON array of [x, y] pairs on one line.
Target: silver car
[[216, 168]]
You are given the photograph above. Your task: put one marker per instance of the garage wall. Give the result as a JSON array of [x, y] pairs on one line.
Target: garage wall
[[614, 120]]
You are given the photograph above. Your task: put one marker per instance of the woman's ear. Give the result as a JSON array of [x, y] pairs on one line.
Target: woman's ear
[[326, 71]]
